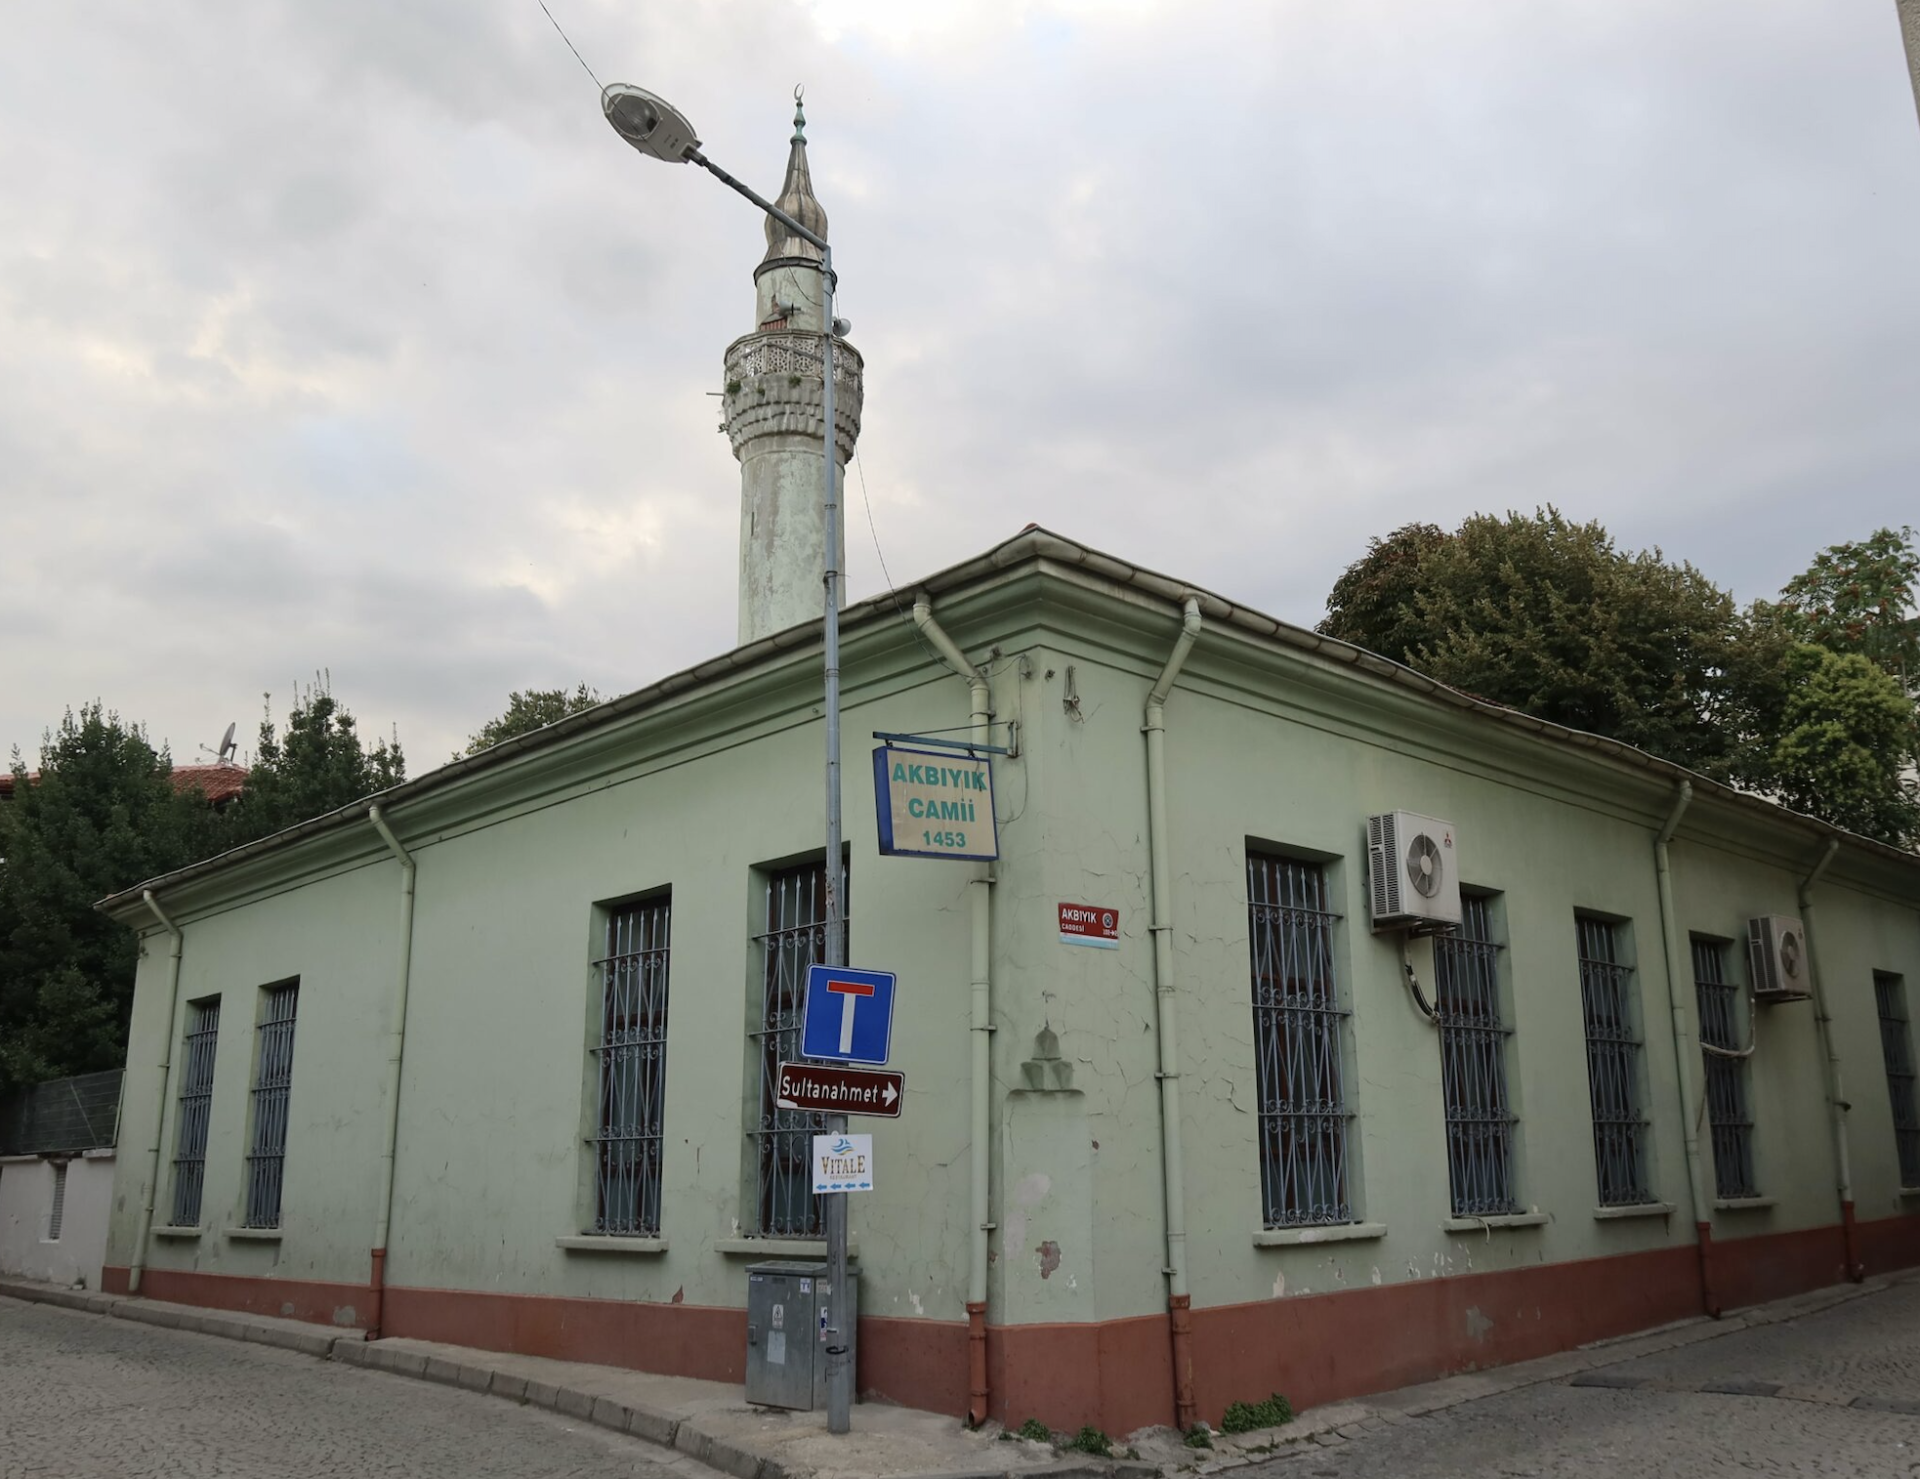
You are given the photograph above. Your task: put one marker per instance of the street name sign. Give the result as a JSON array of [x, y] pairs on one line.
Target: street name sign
[[870, 1091], [849, 1015], [1090, 924], [934, 806]]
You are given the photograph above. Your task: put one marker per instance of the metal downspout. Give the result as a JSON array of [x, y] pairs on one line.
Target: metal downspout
[[1179, 1302], [1684, 1049], [1837, 1105], [159, 1094], [980, 890], [397, 1039]]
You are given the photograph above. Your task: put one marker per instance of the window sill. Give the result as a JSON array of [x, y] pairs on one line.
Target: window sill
[[602, 1243], [1910, 1193], [254, 1234], [1638, 1209], [780, 1247], [1743, 1204], [1492, 1224], [1339, 1232], [178, 1232]]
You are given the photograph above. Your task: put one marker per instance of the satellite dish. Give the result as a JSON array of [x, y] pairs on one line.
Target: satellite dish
[[227, 745]]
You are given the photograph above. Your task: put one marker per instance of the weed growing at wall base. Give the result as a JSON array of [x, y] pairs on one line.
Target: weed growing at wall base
[[1247, 1417]]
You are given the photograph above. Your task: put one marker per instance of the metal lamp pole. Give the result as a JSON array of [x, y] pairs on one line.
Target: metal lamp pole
[[656, 129]]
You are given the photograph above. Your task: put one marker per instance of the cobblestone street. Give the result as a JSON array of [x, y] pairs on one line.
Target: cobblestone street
[[83, 1397], [1836, 1392]]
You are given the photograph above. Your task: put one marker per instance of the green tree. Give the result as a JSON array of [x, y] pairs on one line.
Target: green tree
[[530, 710], [1839, 744], [1859, 597], [101, 816], [317, 766], [1547, 616]]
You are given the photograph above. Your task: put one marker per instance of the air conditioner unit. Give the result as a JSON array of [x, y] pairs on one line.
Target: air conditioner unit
[[1413, 872], [1777, 959]]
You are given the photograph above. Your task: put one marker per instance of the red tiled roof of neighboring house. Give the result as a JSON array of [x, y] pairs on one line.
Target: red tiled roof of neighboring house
[[218, 783]]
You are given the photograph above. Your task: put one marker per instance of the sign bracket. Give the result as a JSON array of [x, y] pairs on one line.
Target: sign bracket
[[946, 744]]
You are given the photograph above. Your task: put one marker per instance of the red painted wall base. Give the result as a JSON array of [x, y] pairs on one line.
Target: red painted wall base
[[1118, 1375], [342, 1305]]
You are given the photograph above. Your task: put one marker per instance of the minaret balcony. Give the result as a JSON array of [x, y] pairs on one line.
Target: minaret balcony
[[774, 384]]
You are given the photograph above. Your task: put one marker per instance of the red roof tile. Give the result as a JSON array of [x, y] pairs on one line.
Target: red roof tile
[[218, 783]]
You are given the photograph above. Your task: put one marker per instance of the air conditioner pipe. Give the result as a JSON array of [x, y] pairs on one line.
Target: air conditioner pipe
[[1683, 1049], [396, 1051], [1179, 1301], [145, 1235], [980, 1034], [1837, 1105]]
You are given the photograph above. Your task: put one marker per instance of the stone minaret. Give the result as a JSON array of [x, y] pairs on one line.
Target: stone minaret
[[773, 411]]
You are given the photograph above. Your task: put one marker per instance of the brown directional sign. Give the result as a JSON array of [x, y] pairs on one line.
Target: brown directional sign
[[872, 1091]]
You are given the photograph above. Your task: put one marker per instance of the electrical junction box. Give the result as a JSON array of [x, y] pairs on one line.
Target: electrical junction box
[[792, 1317]]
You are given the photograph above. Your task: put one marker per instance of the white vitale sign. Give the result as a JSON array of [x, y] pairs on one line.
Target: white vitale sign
[[842, 1163]]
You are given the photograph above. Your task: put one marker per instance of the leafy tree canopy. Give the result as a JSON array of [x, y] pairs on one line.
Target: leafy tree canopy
[[101, 815], [318, 765], [1807, 700], [1840, 742], [1859, 597], [1547, 616], [530, 710]]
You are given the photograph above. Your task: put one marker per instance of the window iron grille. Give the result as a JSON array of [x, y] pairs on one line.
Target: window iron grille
[[1729, 1110], [1298, 1045], [1613, 1067], [1473, 1064], [631, 1055], [58, 1213], [272, 1074], [1896, 1046], [795, 937], [195, 1111]]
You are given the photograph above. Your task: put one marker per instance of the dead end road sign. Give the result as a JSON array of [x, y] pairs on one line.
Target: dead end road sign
[[870, 1091]]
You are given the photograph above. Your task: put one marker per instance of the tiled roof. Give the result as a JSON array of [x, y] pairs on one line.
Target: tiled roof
[[218, 783]]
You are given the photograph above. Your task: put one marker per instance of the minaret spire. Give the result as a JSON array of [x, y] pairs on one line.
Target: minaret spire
[[797, 200], [773, 403]]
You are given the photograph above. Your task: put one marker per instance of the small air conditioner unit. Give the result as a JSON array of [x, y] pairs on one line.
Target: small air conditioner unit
[[1777, 959], [1413, 872]]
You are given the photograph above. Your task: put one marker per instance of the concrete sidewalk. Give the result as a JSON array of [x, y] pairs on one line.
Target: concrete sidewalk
[[710, 1421]]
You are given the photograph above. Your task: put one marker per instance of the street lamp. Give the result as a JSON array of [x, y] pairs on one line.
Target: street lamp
[[658, 130]]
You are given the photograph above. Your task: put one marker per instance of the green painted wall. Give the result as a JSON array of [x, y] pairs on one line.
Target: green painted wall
[[1263, 743]]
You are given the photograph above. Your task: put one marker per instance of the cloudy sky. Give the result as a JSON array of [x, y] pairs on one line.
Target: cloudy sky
[[347, 336]]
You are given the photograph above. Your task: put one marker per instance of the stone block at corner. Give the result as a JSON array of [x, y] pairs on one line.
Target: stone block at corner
[[731, 1458], [542, 1393], [608, 1413], [353, 1352], [691, 1441], [447, 1373], [574, 1403], [399, 1362], [306, 1342], [658, 1427], [511, 1388]]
